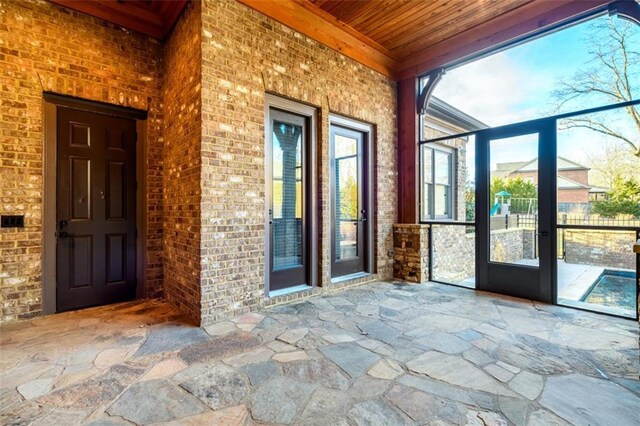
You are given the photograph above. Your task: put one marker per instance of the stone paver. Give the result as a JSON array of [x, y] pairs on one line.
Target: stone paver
[[380, 353], [170, 337], [498, 372], [221, 328], [527, 384], [292, 336], [445, 342], [155, 401], [280, 400], [35, 388], [290, 356], [220, 387], [260, 372], [386, 369], [351, 357], [317, 371], [166, 368], [376, 412], [456, 371], [326, 403], [587, 401]]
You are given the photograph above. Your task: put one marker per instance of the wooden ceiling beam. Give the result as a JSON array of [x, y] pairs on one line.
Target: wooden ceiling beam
[[155, 20], [512, 25], [123, 14], [306, 18]]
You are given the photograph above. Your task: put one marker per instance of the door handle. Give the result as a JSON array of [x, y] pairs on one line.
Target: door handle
[[63, 234], [542, 234], [62, 224]]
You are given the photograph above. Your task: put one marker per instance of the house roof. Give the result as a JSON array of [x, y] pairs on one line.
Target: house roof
[[441, 110], [595, 189], [504, 169], [566, 183]]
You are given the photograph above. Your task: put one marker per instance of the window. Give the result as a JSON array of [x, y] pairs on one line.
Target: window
[[437, 183]]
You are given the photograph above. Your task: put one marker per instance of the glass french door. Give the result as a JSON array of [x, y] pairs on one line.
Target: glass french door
[[516, 166], [349, 211], [288, 201]]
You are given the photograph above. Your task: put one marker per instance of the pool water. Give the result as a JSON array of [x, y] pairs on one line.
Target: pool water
[[614, 288]]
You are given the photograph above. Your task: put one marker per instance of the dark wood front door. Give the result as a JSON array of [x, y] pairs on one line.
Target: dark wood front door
[[96, 209]]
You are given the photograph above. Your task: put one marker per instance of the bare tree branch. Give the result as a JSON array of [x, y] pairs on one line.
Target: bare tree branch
[[614, 64]]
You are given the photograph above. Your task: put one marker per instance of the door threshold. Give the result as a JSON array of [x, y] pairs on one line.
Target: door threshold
[[349, 277], [285, 291]]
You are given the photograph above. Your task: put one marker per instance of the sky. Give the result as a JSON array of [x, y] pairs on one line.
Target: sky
[[516, 85]]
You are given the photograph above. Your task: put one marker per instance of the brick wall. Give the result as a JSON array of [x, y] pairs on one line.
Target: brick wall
[[182, 163], [454, 253], [46, 47], [581, 175], [246, 54], [580, 196], [612, 249]]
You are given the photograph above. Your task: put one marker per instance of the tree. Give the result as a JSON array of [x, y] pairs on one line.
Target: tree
[[624, 199], [517, 187], [470, 201], [612, 75], [349, 199], [611, 163]]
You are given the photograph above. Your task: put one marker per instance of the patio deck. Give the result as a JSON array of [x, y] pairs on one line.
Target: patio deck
[[384, 353]]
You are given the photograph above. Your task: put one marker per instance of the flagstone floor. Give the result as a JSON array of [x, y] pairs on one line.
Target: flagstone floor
[[378, 354]]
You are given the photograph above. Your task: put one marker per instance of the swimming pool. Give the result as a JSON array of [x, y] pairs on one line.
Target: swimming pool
[[613, 288]]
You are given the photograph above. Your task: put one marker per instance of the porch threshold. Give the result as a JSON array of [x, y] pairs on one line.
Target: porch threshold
[[349, 277], [289, 290]]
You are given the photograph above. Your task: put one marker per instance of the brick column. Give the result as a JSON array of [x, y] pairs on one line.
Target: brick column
[[411, 252]]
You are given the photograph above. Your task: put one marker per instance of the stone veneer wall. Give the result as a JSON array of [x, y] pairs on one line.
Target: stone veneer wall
[[246, 54], [44, 47], [411, 252], [183, 163]]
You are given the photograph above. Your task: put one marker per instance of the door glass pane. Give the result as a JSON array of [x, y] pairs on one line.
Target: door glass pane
[[513, 201], [287, 195], [346, 197]]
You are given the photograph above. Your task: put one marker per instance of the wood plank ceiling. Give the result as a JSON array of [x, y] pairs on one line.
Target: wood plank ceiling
[[154, 18], [404, 38], [398, 38], [404, 27]]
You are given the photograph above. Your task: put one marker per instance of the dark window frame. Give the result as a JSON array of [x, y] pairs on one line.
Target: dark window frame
[[429, 209]]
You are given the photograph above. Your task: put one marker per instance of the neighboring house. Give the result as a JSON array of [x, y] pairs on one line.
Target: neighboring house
[[444, 166], [573, 179]]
